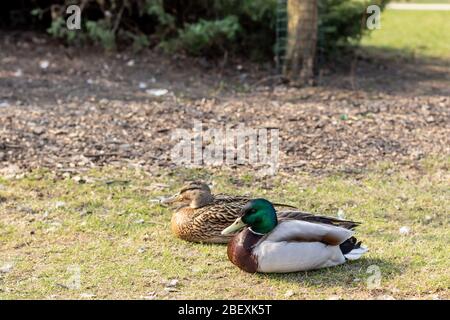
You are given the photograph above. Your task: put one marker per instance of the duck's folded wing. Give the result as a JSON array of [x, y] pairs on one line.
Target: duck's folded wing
[[303, 231], [228, 198], [306, 216]]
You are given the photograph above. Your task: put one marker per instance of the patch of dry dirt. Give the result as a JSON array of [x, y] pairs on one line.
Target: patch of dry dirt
[[88, 108]]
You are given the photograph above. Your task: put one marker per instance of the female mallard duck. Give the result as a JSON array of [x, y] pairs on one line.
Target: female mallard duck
[[266, 245], [202, 216]]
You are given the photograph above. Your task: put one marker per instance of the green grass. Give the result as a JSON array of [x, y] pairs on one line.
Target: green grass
[[412, 33], [423, 1], [123, 248]]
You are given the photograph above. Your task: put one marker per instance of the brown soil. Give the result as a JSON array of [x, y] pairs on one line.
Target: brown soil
[[87, 109]]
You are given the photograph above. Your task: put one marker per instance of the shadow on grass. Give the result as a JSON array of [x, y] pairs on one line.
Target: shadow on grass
[[365, 270], [404, 55], [387, 70]]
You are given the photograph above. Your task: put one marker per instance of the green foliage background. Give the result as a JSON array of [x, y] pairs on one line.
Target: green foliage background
[[197, 27]]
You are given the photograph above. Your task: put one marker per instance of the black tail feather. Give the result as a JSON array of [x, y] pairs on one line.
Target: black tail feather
[[349, 244]]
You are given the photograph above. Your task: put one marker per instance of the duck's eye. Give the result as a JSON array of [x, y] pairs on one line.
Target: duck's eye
[[253, 211]]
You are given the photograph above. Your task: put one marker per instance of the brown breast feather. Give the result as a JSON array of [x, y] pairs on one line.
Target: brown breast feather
[[240, 250]]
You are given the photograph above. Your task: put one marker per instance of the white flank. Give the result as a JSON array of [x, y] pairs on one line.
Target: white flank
[[296, 256], [356, 253], [299, 245]]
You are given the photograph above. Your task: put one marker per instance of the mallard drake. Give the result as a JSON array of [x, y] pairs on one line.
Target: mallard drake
[[270, 244], [201, 215]]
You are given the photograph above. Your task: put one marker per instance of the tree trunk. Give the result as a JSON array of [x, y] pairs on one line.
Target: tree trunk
[[301, 41]]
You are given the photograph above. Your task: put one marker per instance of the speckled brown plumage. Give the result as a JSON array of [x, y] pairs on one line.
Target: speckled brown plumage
[[202, 216], [206, 223]]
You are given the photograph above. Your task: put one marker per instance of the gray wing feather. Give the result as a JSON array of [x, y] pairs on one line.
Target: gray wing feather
[[309, 217]]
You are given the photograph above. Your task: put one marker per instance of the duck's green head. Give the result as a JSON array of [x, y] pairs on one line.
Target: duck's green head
[[258, 214]]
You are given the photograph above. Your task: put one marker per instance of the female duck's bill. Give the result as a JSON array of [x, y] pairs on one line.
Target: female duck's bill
[[169, 200]]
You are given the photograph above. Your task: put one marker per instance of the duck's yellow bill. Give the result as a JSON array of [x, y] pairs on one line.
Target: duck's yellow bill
[[236, 226]]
